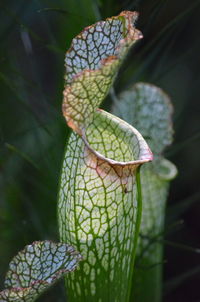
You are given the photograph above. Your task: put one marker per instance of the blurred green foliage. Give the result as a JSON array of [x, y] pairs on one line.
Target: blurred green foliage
[[34, 36]]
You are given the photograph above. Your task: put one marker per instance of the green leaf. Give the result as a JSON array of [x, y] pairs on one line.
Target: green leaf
[[91, 64], [149, 109], [99, 200], [178, 280], [36, 268]]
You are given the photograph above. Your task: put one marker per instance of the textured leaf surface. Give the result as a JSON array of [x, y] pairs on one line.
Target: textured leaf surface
[[91, 66], [149, 110], [98, 200], [36, 268]]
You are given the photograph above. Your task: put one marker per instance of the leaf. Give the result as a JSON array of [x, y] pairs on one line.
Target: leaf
[[91, 66], [149, 109], [177, 210], [178, 280], [36, 268], [22, 154], [99, 200]]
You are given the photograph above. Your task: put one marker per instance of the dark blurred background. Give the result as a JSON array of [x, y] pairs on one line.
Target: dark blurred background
[[34, 36]]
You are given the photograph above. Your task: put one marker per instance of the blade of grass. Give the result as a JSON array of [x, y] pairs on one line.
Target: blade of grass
[[22, 155], [175, 282]]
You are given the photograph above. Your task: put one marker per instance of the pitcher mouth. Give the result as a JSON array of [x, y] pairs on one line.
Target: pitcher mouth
[[141, 151]]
